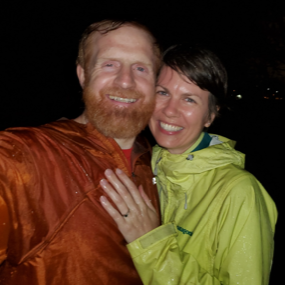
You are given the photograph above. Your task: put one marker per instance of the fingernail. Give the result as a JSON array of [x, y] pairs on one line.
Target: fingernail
[[119, 171], [103, 183], [103, 199], [108, 172]]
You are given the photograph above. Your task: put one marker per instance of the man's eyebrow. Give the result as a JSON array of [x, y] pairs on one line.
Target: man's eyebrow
[[144, 63], [106, 58], [119, 59]]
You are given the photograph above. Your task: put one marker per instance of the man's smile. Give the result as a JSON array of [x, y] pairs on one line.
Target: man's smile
[[122, 100]]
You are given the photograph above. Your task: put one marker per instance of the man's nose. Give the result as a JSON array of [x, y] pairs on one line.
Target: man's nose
[[171, 108], [125, 78]]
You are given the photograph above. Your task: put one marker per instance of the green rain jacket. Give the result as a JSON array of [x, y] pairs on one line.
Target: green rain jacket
[[218, 221]]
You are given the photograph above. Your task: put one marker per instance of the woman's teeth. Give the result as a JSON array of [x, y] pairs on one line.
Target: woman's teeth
[[170, 128]]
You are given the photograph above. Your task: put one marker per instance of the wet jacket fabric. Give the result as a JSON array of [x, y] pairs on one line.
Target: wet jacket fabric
[[218, 221], [53, 228]]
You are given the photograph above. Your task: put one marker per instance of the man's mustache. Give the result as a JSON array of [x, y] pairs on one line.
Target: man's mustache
[[122, 93]]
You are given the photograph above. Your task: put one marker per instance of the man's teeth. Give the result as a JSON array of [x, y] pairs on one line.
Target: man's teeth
[[123, 100], [170, 128]]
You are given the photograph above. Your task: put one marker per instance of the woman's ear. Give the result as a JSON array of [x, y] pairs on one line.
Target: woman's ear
[[81, 75], [210, 120], [207, 125]]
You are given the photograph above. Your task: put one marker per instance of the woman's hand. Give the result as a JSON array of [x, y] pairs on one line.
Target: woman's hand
[[136, 215]]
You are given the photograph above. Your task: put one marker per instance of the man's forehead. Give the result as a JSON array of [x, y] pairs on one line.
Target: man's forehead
[[127, 39], [120, 53], [134, 34]]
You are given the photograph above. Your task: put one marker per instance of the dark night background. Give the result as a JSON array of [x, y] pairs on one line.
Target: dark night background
[[39, 45]]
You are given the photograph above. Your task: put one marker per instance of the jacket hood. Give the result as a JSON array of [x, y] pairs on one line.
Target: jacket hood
[[220, 153]]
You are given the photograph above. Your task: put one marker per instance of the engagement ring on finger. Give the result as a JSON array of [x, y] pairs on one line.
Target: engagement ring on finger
[[126, 215]]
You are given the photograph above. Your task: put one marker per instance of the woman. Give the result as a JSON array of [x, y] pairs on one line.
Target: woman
[[217, 219]]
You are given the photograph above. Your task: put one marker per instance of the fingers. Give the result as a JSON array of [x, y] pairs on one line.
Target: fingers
[[129, 199], [125, 187], [115, 197], [131, 187], [117, 217]]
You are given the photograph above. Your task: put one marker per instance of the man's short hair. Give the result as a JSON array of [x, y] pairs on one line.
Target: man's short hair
[[202, 67], [106, 26]]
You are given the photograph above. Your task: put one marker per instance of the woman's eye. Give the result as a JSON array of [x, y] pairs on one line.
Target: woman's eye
[[160, 92], [190, 100], [109, 64]]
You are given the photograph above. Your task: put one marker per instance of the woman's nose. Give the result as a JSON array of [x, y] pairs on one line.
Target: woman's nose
[[171, 108]]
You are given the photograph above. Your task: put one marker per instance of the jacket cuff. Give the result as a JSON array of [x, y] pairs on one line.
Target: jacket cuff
[[140, 245]]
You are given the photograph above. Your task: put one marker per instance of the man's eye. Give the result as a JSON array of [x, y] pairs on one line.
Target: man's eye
[[140, 69], [109, 64]]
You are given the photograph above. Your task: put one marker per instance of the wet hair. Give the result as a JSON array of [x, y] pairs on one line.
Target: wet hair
[[202, 67], [106, 26]]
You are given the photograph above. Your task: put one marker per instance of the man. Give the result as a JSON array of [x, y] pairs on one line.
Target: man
[[53, 229]]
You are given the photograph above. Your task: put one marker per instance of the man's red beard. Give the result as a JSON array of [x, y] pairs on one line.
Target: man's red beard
[[118, 121]]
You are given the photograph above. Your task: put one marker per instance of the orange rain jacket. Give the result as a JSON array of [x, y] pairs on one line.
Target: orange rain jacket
[[53, 229]]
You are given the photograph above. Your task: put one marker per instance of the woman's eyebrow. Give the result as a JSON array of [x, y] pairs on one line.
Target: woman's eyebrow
[[157, 85], [191, 94]]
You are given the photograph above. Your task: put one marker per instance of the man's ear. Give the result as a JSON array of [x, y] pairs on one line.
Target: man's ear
[[81, 75]]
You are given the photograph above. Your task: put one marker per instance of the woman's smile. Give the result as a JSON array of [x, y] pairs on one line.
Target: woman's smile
[[169, 127]]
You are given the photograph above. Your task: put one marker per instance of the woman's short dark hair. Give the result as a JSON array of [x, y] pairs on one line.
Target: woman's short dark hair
[[202, 67]]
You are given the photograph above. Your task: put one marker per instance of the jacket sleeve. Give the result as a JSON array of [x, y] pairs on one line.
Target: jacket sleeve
[[5, 169], [4, 230], [159, 260], [242, 244], [246, 226]]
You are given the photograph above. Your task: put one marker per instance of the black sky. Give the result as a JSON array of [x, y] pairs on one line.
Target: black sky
[[40, 38]]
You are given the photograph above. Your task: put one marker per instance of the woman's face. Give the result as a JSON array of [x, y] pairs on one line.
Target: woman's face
[[181, 111]]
